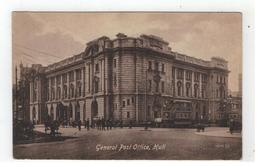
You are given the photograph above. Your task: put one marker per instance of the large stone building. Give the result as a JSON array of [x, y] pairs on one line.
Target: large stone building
[[138, 79]]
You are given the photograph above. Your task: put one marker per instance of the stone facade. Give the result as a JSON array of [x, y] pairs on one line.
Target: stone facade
[[138, 79]]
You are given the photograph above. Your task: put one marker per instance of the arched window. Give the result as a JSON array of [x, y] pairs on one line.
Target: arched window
[[179, 88], [187, 89], [196, 90]]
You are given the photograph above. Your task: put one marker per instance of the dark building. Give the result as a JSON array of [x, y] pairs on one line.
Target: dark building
[[130, 79]]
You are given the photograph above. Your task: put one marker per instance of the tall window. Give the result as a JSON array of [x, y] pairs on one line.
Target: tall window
[[65, 91], [148, 111], [203, 91], [162, 86], [71, 76], [97, 68], [179, 88], [187, 89], [123, 104], [149, 65], [114, 63], [128, 101], [78, 89], [180, 74], [196, 76], [162, 67], [188, 75], [173, 72], [156, 66], [58, 80], [58, 93], [196, 90], [149, 85], [71, 90], [156, 86], [128, 114], [96, 86], [115, 79], [78, 74], [64, 78]]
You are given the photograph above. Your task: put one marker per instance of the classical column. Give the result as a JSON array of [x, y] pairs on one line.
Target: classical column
[[200, 85], [192, 83], [184, 83]]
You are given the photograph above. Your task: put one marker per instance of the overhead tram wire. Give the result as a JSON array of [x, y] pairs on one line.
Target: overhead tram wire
[[31, 58], [38, 51]]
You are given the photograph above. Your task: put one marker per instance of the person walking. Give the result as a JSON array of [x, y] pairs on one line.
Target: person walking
[[107, 124], [79, 125], [87, 122]]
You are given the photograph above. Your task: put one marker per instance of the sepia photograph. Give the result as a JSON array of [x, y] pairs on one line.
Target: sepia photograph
[[127, 85]]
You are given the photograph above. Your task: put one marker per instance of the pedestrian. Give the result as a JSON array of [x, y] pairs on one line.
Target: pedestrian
[[79, 125], [87, 122], [130, 124], [107, 123], [121, 124], [110, 124], [103, 123]]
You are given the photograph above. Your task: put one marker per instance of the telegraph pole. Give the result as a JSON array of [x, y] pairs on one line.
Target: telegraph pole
[[16, 94]]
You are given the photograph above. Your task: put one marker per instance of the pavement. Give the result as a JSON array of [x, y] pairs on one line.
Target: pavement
[[209, 131], [219, 132]]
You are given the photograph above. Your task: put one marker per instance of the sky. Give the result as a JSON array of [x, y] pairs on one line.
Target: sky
[[49, 37]]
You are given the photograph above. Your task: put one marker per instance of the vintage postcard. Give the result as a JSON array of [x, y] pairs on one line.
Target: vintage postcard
[[127, 85]]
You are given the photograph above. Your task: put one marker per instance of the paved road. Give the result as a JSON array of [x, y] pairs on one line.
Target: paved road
[[134, 144]]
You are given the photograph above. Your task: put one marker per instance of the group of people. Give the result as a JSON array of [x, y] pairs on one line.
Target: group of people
[[103, 124]]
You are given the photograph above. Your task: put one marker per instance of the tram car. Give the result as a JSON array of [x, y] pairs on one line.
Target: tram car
[[182, 115]]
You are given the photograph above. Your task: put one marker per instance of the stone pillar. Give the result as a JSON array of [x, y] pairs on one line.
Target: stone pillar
[[184, 83], [200, 85], [82, 82], [176, 87], [192, 83]]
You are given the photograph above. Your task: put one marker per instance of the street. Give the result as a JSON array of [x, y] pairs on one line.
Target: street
[[136, 143]]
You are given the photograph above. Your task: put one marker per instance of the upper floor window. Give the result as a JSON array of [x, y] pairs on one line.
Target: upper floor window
[[162, 86], [180, 74], [133, 99], [71, 76], [97, 68], [64, 78], [156, 66], [173, 72], [163, 68], [149, 65], [115, 79], [114, 63], [128, 101], [187, 89], [78, 74], [204, 78], [179, 88], [149, 85], [123, 103], [58, 79], [196, 90], [188, 75], [52, 81], [196, 76]]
